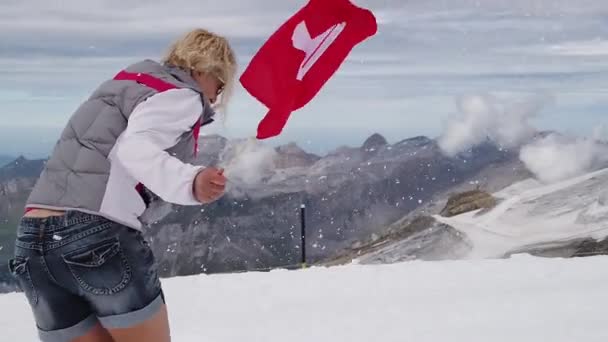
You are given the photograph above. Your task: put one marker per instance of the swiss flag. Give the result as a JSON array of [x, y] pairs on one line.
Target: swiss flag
[[300, 57]]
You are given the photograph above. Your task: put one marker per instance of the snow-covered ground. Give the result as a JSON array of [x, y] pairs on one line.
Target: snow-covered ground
[[512, 300], [518, 299], [531, 212]]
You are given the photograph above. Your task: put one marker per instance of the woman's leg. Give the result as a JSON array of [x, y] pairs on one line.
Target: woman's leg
[[96, 334], [156, 329]]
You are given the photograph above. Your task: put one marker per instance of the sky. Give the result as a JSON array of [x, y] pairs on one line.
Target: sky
[[407, 80]]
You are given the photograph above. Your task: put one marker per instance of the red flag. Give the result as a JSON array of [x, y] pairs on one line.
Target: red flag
[[300, 57]]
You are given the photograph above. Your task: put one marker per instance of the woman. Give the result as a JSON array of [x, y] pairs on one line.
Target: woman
[[80, 257]]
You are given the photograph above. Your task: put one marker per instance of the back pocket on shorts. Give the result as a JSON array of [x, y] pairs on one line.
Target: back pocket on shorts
[[100, 269]]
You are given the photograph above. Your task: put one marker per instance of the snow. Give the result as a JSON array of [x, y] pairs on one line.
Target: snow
[[531, 212], [519, 299]]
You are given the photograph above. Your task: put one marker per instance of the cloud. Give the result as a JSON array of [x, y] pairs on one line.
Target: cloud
[[425, 53], [524, 7], [596, 47], [557, 157], [488, 117], [118, 20], [550, 158]]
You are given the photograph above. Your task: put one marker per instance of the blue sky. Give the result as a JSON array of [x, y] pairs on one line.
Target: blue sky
[[403, 82]]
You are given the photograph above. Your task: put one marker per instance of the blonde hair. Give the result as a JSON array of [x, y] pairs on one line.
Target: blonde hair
[[207, 52]]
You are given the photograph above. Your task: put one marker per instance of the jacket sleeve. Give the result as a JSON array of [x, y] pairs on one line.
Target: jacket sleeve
[[154, 126]]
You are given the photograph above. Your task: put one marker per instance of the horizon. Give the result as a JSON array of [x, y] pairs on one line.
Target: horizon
[[404, 82], [17, 156], [324, 153]]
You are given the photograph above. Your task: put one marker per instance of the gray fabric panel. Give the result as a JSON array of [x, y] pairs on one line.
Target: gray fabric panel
[[77, 171]]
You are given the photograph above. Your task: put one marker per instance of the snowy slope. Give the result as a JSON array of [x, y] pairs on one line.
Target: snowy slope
[[504, 300], [531, 213]]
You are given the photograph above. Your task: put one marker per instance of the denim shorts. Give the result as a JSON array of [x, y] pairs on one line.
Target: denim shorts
[[79, 269]]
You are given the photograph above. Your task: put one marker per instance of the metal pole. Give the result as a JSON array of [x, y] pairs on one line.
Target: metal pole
[[303, 233]]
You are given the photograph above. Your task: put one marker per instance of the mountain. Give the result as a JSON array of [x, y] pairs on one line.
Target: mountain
[[374, 142], [17, 180], [21, 168], [5, 160], [564, 219], [352, 196], [291, 155], [378, 203]]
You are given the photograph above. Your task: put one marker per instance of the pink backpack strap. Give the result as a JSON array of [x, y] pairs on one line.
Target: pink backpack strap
[[196, 131], [145, 79]]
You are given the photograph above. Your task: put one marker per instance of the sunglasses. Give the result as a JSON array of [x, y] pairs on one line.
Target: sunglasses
[[222, 86]]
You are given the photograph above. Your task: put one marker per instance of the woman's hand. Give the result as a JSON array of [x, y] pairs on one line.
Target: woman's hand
[[209, 185]]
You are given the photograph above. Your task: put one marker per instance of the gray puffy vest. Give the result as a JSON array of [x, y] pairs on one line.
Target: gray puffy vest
[[77, 172]]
